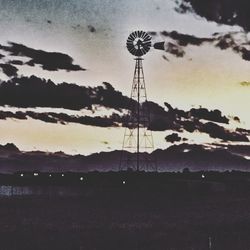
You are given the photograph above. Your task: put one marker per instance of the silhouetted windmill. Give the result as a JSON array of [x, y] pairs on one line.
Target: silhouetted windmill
[[138, 140]]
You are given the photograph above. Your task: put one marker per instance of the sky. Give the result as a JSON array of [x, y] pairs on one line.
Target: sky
[[94, 34]]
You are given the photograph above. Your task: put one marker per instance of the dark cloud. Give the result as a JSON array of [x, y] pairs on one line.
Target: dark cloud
[[236, 118], [76, 26], [245, 84], [243, 131], [216, 131], [174, 50], [9, 69], [91, 28], [220, 11], [159, 122], [213, 130], [16, 62], [35, 92], [62, 118], [198, 113], [179, 120], [51, 61], [176, 43], [185, 39], [173, 138], [8, 114], [228, 41], [225, 42], [165, 58], [213, 115]]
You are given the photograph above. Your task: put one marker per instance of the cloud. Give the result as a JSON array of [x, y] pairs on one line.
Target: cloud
[[165, 58], [243, 131], [8, 69], [219, 11], [8, 114], [185, 39], [174, 49], [216, 131], [16, 62], [91, 29], [245, 84], [190, 121], [198, 113], [51, 61], [159, 122], [173, 138], [62, 118], [213, 115], [175, 43], [32, 91]]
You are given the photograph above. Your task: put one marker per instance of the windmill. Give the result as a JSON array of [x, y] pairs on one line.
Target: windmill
[[138, 140]]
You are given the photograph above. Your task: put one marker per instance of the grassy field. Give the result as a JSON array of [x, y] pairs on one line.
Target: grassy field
[[149, 214], [129, 217]]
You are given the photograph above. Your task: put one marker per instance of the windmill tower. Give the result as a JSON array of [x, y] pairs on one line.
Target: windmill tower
[[138, 140]]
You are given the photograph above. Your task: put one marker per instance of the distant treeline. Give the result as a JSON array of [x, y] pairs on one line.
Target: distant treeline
[[185, 179]]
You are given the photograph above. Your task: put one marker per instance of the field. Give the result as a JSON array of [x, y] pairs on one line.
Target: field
[[184, 213]]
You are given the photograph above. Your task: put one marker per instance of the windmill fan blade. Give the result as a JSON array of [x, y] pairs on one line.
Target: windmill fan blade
[[133, 35], [143, 51], [147, 39], [138, 43], [144, 35], [133, 51], [130, 40], [130, 44]]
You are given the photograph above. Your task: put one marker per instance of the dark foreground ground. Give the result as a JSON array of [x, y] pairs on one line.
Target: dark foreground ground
[[171, 211]]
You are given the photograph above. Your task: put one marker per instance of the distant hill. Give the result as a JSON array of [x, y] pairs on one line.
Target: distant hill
[[175, 158]]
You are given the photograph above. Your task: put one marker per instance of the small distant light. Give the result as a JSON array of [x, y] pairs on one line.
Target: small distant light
[[203, 176], [21, 175], [124, 182], [35, 174], [50, 175], [81, 179], [62, 175]]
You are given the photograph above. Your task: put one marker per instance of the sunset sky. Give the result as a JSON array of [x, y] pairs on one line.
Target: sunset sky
[[94, 33]]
